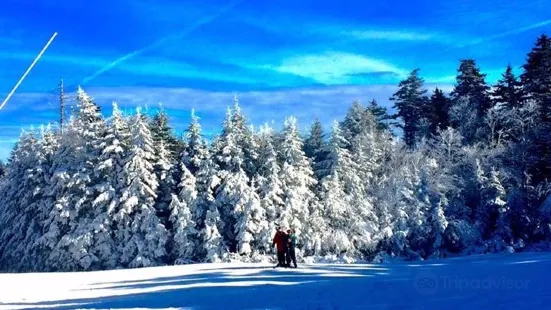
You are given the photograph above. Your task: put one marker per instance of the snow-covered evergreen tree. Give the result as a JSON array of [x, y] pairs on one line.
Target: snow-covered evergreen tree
[[70, 229], [314, 148], [210, 247], [245, 138], [13, 194], [493, 205], [163, 167], [298, 184], [140, 234], [336, 215], [270, 186], [109, 171], [252, 223], [196, 148], [161, 131], [364, 141], [22, 216], [182, 206], [115, 194], [229, 195]]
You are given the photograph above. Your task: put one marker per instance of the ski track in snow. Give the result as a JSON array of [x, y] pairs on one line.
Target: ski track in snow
[[504, 281]]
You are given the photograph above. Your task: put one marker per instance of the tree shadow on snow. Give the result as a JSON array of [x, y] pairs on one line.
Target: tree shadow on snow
[[254, 288], [384, 286]]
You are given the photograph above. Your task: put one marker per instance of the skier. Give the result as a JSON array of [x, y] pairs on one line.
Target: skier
[[291, 255], [281, 239]]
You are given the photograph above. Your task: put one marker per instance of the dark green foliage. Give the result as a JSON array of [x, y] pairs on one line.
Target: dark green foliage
[[536, 79], [508, 90], [541, 144], [314, 146], [161, 131], [470, 83], [437, 111], [381, 115], [410, 101]]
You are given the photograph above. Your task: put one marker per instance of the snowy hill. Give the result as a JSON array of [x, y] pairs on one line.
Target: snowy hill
[[515, 281]]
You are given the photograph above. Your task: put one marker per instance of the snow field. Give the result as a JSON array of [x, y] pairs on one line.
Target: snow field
[[516, 281]]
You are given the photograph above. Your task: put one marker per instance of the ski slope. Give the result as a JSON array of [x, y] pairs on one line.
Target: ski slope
[[506, 281]]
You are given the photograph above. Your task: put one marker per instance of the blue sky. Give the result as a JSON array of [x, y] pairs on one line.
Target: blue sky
[[281, 57]]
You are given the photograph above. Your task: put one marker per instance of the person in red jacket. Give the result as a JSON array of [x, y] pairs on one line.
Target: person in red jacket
[[281, 240]]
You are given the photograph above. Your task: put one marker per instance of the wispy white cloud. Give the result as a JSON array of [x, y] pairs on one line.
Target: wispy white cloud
[[335, 67], [343, 31], [196, 24], [391, 35], [508, 33], [154, 67]]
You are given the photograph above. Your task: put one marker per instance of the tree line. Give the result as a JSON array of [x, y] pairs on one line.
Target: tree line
[[468, 175]]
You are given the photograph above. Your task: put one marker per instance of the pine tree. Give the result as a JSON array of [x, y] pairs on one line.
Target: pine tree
[[182, 209], [109, 171], [245, 138], [229, 156], [438, 223], [336, 215], [252, 223], [354, 122], [70, 227], [359, 130], [338, 157], [470, 84], [536, 78], [438, 111], [13, 194], [314, 147], [161, 131], [163, 167], [214, 251], [342, 178], [23, 215], [270, 186], [498, 201], [383, 119], [298, 183], [508, 90], [140, 234], [198, 161], [492, 215], [196, 148], [210, 246], [409, 100], [536, 81], [357, 172]]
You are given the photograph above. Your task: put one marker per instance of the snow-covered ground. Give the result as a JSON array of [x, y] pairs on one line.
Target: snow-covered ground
[[508, 281]]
